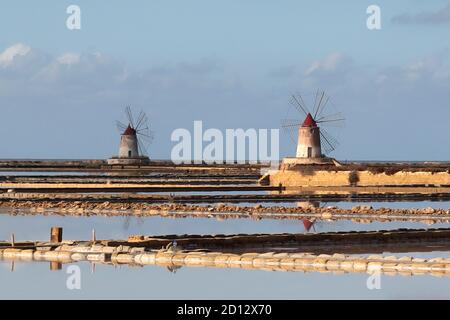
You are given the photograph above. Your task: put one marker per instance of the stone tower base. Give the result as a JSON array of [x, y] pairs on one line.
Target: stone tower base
[[128, 161], [292, 161]]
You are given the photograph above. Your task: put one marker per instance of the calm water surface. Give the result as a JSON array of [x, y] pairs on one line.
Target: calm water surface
[[35, 280]]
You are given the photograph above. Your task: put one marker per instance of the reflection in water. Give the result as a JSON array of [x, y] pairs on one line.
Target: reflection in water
[[107, 281], [173, 269], [54, 265], [309, 223], [128, 219], [33, 280], [35, 227]]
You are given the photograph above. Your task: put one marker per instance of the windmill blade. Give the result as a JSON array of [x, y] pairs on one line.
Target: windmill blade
[[322, 204], [334, 120], [142, 120], [285, 123], [145, 130], [121, 126], [326, 145], [321, 116], [130, 116], [331, 120], [333, 116], [302, 102], [322, 107], [338, 123], [147, 139], [315, 100], [300, 106], [316, 108], [139, 119], [142, 149], [145, 133], [290, 126], [329, 142]]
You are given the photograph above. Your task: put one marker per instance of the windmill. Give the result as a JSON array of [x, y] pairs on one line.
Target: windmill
[[135, 139], [310, 223], [313, 141]]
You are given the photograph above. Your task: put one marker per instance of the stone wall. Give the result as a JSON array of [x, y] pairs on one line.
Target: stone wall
[[320, 178]]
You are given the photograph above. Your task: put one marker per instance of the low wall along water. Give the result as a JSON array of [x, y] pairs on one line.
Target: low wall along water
[[322, 178]]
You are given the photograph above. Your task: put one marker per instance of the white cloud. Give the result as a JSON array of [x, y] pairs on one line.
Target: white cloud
[[433, 67], [440, 16], [432, 71], [91, 89], [69, 58], [331, 63], [99, 76], [42, 88], [9, 54]]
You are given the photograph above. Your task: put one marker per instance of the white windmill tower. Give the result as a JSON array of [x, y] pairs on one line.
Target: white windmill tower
[[313, 141], [134, 139]]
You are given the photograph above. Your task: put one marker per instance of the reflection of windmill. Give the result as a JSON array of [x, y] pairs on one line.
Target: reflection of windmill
[[173, 269], [313, 141], [135, 138], [312, 222], [308, 224], [127, 221]]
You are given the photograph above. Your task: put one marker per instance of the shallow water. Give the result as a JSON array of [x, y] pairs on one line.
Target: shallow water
[[35, 280], [36, 227], [348, 205]]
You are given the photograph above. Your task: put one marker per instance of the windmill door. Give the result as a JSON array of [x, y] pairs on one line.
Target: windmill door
[[309, 152]]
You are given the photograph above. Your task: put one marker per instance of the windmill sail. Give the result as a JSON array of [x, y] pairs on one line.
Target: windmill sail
[[136, 134], [312, 139]]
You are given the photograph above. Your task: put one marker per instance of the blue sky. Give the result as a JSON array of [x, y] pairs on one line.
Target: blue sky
[[229, 63]]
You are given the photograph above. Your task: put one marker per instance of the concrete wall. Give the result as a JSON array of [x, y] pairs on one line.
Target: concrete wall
[[299, 178]]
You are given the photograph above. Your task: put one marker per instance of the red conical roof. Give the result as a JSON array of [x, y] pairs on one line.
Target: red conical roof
[[309, 121], [307, 224], [129, 131]]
